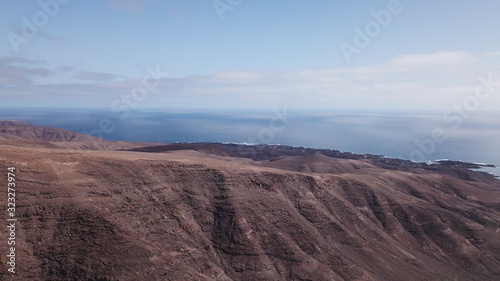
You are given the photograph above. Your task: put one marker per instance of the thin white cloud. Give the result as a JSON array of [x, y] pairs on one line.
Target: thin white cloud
[[438, 60], [65, 69], [19, 61], [17, 29], [20, 71], [495, 54], [95, 76], [423, 85]]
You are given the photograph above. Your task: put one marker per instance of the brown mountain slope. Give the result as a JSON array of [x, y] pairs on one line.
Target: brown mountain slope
[[185, 215], [277, 155], [317, 163], [25, 130], [24, 133]]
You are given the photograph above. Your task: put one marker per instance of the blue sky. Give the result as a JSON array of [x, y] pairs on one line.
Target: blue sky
[[416, 55]]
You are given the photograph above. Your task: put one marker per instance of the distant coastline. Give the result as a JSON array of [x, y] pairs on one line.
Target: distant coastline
[[379, 133]]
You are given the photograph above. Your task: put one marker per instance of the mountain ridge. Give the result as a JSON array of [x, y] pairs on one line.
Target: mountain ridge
[[197, 213], [15, 131]]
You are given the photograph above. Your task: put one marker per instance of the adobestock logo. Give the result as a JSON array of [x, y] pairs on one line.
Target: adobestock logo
[[363, 37], [126, 102], [224, 6], [31, 27], [456, 116], [266, 135], [138, 94]]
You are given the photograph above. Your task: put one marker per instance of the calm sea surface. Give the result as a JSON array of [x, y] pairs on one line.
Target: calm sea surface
[[413, 136]]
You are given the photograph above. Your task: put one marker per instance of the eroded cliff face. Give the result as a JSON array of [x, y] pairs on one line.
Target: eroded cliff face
[[103, 215]]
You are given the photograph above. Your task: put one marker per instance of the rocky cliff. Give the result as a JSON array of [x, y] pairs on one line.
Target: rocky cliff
[[182, 214]]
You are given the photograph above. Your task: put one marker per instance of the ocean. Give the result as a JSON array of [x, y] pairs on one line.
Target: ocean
[[416, 136]]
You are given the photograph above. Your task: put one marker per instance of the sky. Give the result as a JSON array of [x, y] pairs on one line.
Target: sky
[[254, 54]]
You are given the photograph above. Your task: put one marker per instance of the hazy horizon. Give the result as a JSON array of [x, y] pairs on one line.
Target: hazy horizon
[[422, 69], [402, 135], [330, 55]]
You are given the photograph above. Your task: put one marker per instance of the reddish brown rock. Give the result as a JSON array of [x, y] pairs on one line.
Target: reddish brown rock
[[187, 215]]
